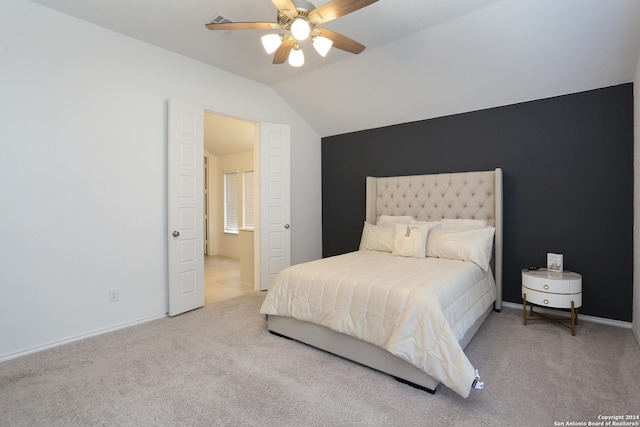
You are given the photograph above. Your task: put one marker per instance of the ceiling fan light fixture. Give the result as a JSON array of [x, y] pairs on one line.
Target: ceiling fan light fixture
[[300, 29], [296, 57], [298, 21], [322, 45], [271, 42]]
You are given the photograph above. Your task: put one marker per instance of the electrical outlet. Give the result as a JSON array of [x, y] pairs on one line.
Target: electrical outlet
[[114, 295]]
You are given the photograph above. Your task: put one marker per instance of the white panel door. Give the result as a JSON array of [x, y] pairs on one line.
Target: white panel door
[[275, 239], [185, 207]]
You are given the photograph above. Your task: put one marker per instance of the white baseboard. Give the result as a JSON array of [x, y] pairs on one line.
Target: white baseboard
[[77, 338], [587, 318]]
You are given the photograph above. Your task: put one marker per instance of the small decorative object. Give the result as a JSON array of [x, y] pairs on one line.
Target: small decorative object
[[554, 262], [409, 242]]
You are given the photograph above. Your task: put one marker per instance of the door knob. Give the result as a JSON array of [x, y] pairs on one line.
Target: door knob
[[286, 226], [175, 233]]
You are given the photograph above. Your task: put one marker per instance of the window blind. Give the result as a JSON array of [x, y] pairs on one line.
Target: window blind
[[231, 202]]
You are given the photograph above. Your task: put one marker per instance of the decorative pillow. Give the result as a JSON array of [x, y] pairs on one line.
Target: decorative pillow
[[463, 223], [393, 219], [471, 245], [377, 237], [410, 240]]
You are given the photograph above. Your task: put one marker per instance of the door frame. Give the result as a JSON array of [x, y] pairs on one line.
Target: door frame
[[257, 167]]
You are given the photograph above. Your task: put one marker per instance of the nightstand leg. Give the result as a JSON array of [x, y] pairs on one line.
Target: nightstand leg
[[524, 309], [573, 320]]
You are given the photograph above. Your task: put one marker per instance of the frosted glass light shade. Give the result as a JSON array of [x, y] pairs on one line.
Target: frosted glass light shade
[[300, 29], [271, 42], [296, 57], [322, 45]]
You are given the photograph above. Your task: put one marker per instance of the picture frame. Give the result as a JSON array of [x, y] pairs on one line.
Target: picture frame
[[554, 262]]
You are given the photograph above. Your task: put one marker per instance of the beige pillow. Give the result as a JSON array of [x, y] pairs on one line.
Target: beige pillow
[[471, 245], [410, 240], [377, 237], [463, 223]]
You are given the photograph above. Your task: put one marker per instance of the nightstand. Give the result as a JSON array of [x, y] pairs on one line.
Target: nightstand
[[554, 290]]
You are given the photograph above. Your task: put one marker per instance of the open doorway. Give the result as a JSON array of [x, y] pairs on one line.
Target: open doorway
[[229, 200], [272, 236]]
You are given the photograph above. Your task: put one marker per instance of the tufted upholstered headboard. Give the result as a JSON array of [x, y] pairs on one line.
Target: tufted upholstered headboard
[[464, 195]]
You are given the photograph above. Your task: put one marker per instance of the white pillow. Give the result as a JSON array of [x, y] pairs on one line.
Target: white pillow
[[463, 223], [388, 219], [377, 237], [410, 240], [471, 245], [431, 224]]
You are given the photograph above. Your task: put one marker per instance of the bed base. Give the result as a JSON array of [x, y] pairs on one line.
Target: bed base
[[428, 390], [362, 352]]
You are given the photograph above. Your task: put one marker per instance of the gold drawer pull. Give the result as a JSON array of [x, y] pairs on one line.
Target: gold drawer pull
[[546, 301], [546, 286]]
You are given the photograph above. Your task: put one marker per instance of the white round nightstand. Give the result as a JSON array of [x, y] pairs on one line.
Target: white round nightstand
[[554, 290]]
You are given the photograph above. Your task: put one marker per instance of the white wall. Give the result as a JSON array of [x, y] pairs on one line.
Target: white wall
[[228, 244], [502, 54], [636, 204], [83, 143]]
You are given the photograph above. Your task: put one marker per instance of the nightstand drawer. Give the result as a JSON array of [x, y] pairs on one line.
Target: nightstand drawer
[[552, 300], [543, 282]]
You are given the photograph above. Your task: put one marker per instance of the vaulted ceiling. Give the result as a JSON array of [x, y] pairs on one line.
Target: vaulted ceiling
[[424, 58]]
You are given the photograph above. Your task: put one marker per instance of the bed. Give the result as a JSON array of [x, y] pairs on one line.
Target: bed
[[409, 307]]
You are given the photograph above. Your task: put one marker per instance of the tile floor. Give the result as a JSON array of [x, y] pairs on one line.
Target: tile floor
[[222, 279]]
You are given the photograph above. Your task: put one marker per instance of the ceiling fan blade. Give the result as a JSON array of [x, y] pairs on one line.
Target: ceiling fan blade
[[335, 9], [342, 42], [244, 26], [282, 54], [286, 7]]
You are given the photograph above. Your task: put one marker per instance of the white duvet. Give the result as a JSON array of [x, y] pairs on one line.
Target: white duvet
[[417, 309]]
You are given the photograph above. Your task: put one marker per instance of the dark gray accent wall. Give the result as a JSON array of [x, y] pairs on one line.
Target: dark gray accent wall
[[568, 183]]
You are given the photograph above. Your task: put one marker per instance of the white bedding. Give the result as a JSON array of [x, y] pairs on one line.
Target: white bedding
[[417, 309]]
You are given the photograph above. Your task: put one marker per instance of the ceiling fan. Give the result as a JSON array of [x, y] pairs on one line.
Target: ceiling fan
[[300, 20]]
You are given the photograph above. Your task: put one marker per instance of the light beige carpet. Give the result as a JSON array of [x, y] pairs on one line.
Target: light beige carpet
[[219, 366]]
